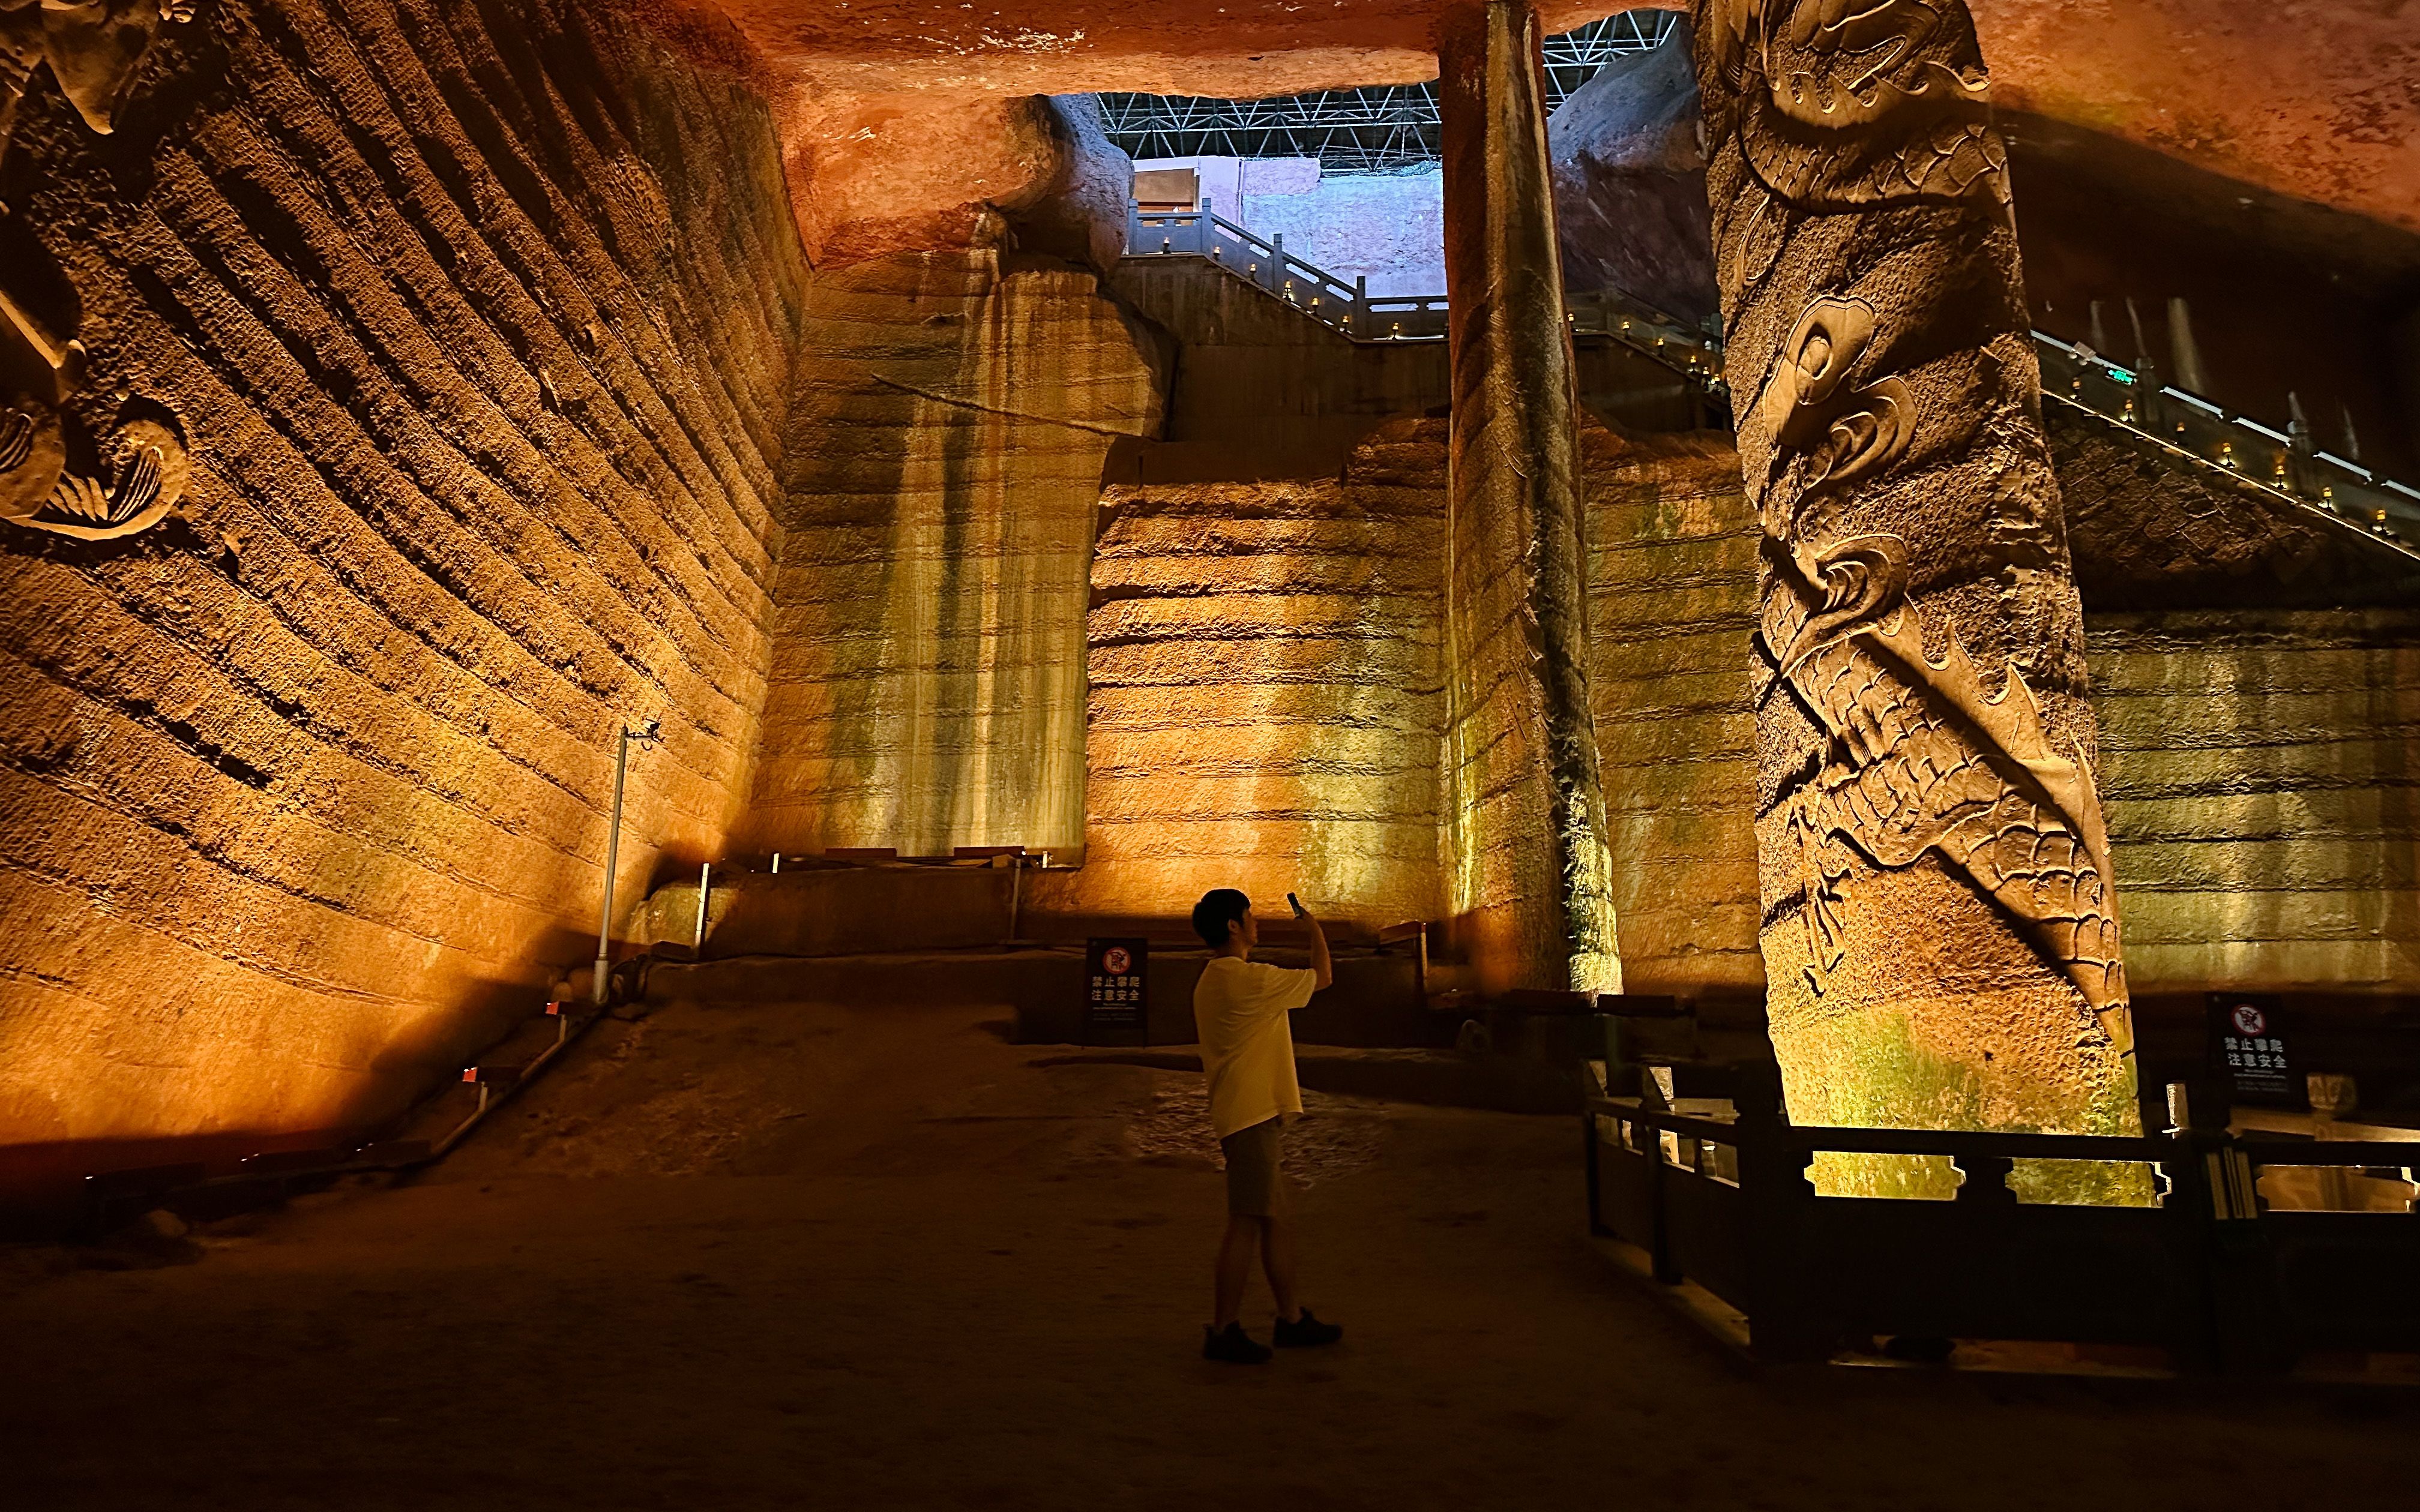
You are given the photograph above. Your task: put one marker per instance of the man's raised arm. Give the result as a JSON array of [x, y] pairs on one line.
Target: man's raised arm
[[1321, 962]]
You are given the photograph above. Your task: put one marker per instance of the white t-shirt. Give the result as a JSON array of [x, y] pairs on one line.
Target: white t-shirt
[[1239, 1013]]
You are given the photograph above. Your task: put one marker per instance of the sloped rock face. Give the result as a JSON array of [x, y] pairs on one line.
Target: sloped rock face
[[1266, 697], [2150, 533], [1630, 182], [477, 323], [876, 175], [951, 422]]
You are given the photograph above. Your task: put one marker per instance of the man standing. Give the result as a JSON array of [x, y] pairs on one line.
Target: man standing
[[1239, 1014]]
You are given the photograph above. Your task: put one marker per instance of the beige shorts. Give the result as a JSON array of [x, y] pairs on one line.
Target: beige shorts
[[1256, 1182]]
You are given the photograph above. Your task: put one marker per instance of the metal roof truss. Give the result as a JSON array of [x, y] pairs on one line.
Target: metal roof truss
[[1370, 129]]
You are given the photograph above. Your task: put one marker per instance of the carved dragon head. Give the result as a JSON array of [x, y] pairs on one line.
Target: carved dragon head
[[1854, 584], [1857, 102], [1843, 64]]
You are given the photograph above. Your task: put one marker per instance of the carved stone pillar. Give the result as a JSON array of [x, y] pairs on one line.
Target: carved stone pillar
[[1940, 937], [1524, 815]]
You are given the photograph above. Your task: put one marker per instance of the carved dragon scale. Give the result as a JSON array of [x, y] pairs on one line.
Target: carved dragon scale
[[1872, 109]]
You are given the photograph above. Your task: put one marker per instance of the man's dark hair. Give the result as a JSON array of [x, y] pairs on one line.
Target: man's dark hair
[[1218, 908]]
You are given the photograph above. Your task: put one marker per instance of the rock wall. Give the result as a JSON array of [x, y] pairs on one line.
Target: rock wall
[[1671, 606], [2263, 775], [1265, 695], [1259, 390], [952, 418], [475, 322]]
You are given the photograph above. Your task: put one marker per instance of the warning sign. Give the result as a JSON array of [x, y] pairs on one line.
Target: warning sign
[[1117, 1009], [2248, 1047]]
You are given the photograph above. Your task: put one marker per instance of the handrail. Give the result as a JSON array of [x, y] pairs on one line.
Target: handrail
[[2004, 1145], [2209, 1269], [1692, 354], [2287, 463]]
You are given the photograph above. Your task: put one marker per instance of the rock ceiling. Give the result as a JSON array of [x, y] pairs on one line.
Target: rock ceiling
[[2316, 98]]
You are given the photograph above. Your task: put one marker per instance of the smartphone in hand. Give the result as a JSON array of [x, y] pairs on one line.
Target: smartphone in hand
[[1296, 903]]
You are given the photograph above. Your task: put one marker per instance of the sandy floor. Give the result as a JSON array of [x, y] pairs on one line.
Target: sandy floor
[[788, 1257]]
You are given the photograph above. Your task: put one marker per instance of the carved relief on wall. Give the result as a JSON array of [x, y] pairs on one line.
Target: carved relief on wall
[[1925, 702], [1859, 102], [138, 468], [144, 467], [93, 48]]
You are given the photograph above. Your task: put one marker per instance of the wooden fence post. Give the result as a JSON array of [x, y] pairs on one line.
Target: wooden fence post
[[1772, 1183]]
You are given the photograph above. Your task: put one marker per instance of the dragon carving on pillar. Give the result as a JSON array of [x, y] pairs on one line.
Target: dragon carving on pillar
[[1923, 704]]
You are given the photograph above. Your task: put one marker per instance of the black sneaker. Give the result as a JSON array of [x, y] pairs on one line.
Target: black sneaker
[[1305, 1333], [1232, 1345]]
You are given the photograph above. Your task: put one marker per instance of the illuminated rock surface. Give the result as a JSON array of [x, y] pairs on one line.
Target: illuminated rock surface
[[478, 328], [1528, 875], [1939, 924], [1265, 699], [484, 378], [2254, 759], [950, 421], [2258, 766], [1672, 602]]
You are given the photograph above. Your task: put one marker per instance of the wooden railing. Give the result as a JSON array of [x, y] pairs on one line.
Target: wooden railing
[[2208, 1272]]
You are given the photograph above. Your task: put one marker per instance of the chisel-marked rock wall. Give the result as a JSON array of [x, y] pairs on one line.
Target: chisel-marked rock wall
[[2262, 770], [1671, 606], [476, 320], [1265, 695], [951, 419]]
